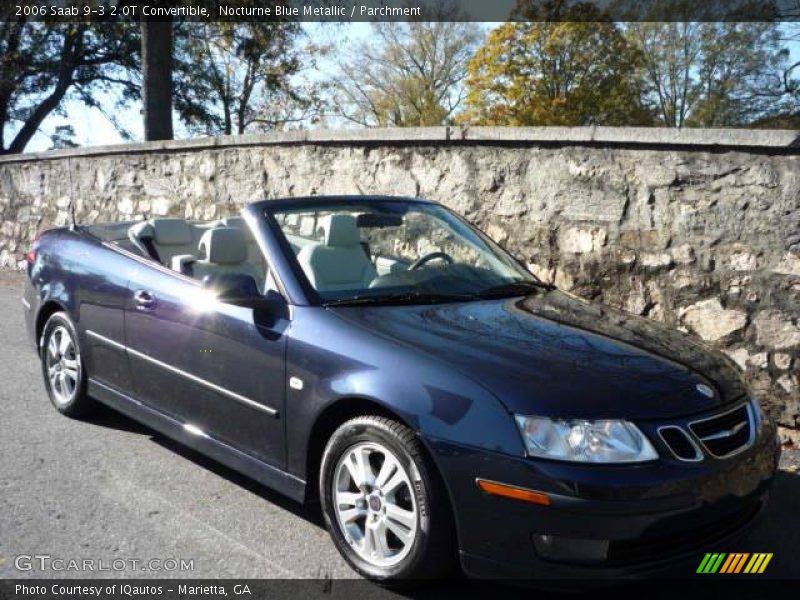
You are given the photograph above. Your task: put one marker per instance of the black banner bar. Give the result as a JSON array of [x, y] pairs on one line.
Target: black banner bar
[[731, 587], [346, 11]]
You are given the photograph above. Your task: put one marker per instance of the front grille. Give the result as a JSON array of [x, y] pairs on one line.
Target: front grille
[[680, 444], [725, 434]]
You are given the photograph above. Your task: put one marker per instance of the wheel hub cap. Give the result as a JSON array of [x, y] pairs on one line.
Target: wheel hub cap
[[374, 503]]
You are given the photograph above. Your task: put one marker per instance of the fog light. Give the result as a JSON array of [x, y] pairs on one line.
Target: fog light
[[556, 547]]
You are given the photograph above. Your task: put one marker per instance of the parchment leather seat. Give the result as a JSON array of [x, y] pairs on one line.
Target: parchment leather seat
[[224, 250], [339, 263], [164, 238]]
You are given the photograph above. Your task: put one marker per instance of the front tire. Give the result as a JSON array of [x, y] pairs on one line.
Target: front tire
[[63, 367], [383, 504]]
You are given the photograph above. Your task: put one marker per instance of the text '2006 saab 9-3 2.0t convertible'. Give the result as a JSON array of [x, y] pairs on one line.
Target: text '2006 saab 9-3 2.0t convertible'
[[384, 357]]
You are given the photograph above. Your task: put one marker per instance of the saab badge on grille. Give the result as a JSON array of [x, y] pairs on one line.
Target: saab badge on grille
[[705, 390]]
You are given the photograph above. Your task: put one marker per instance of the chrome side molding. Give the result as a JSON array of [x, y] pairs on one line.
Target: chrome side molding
[[194, 378]]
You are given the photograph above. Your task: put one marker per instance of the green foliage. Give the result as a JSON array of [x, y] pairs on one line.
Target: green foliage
[[586, 70], [406, 74], [561, 63], [571, 73], [713, 74], [233, 77], [63, 137], [41, 65], [228, 77]]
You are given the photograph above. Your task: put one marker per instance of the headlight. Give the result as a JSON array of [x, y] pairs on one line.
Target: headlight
[[585, 441]]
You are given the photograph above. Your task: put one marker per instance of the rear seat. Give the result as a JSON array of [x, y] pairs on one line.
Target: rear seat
[[164, 238], [180, 245]]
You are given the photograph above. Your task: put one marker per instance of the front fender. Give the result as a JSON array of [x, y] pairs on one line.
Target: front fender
[[336, 361]]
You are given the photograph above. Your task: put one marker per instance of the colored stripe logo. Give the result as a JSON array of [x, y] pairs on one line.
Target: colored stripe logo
[[736, 562]]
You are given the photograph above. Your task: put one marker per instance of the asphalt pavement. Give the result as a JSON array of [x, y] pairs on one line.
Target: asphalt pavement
[[107, 489]]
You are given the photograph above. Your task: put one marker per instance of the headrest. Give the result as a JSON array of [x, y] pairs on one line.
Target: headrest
[[224, 246], [139, 230], [234, 222], [171, 232], [306, 226], [341, 230]]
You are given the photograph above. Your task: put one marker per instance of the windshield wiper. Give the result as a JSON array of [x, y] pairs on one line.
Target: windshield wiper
[[515, 288], [402, 298], [506, 289]]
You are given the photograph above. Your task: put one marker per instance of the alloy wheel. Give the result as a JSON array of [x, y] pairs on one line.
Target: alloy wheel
[[63, 365], [375, 505]]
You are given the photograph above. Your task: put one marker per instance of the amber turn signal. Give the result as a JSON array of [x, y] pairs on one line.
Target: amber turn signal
[[509, 491]]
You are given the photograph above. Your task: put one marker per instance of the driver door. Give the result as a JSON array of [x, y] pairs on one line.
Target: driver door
[[217, 368]]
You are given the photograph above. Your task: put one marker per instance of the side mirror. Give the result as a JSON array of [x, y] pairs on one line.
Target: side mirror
[[241, 290]]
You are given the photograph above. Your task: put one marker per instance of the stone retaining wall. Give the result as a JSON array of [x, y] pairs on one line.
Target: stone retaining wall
[[698, 228]]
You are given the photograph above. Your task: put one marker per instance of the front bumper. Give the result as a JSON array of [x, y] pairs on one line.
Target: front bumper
[[657, 518]]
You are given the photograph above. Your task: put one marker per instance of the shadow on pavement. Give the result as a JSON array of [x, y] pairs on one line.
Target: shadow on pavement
[[106, 417], [109, 418]]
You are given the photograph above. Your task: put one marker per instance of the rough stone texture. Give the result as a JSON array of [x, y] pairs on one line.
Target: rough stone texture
[[790, 265], [777, 330], [740, 356], [782, 361], [699, 229], [712, 322], [788, 383], [580, 240]]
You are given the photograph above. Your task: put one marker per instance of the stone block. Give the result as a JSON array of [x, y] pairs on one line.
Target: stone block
[[788, 265], [595, 205], [776, 329], [582, 240], [711, 321]]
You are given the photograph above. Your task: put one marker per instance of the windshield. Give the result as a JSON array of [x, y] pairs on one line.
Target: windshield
[[396, 251]]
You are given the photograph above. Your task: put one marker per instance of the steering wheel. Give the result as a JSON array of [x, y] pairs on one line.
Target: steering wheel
[[429, 257]]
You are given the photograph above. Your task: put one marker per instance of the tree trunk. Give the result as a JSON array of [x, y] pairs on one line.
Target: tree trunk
[[157, 79], [226, 111]]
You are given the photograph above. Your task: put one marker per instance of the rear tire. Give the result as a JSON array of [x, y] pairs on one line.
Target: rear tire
[[384, 503], [63, 367]]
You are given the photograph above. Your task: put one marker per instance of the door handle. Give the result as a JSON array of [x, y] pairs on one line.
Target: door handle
[[144, 299]]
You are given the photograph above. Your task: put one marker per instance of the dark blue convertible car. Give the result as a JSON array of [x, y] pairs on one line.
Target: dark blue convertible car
[[385, 358]]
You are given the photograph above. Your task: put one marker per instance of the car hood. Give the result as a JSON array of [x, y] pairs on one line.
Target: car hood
[[553, 354]]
